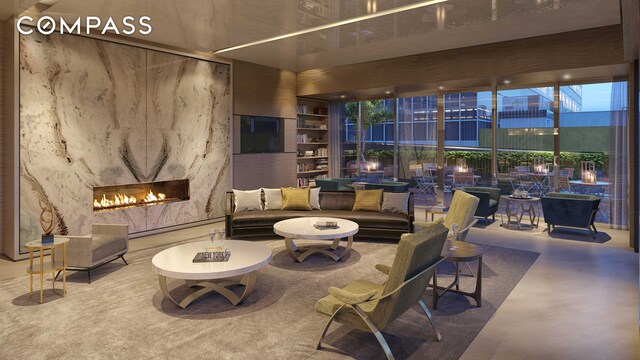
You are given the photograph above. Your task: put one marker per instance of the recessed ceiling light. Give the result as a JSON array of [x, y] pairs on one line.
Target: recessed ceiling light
[[440, 87], [356, 19], [507, 82], [388, 92], [566, 76], [343, 96]]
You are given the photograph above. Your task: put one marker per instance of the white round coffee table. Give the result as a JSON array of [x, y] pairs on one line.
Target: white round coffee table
[[177, 263], [303, 228]]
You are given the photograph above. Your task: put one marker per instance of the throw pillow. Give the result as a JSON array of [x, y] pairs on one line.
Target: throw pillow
[[395, 202], [272, 199], [295, 199], [248, 200], [314, 198], [367, 200]]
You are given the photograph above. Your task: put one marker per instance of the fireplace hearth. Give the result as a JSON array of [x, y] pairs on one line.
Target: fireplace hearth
[[116, 197]]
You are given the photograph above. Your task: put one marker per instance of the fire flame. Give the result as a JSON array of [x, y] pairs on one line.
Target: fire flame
[[123, 200]]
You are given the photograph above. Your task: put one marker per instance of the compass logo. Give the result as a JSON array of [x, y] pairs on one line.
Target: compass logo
[[48, 25]]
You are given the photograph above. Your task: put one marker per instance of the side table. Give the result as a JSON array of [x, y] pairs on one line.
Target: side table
[[459, 251], [522, 205], [432, 209], [51, 266]]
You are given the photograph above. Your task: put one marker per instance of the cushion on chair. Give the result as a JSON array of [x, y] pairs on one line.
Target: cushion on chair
[[395, 202], [295, 199], [247, 200], [105, 245], [314, 198], [368, 200], [272, 199], [493, 203], [462, 209], [329, 304]]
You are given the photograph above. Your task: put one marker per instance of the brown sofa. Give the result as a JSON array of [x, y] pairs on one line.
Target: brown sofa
[[381, 225]]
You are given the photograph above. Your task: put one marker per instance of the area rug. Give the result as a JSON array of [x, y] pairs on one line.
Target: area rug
[[123, 315]]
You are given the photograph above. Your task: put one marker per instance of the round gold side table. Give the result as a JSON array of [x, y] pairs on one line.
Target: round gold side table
[[50, 266]]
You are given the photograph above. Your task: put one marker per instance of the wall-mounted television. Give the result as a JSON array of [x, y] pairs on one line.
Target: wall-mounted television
[[261, 134]]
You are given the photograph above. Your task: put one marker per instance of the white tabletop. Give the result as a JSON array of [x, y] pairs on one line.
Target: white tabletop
[[38, 243], [529, 199], [177, 262], [302, 228], [597, 183]]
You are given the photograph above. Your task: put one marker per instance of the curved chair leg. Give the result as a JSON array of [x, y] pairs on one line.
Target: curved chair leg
[[376, 332], [430, 318], [326, 328]]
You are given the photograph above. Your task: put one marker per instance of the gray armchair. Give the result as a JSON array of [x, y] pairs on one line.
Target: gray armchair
[[370, 306], [107, 242]]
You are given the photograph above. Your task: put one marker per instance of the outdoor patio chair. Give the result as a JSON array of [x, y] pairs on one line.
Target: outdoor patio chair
[[370, 306], [425, 181]]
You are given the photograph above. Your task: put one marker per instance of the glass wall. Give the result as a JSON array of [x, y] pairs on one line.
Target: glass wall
[[378, 127], [467, 138], [367, 139], [417, 134], [593, 142], [348, 140], [592, 136]]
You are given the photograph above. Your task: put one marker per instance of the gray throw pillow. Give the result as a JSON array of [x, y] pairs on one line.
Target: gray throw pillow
[[314, 198], [248, 200], [395, 202], [272, 199]]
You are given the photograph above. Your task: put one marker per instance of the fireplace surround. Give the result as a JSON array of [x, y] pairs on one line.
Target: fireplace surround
[[115, 197]]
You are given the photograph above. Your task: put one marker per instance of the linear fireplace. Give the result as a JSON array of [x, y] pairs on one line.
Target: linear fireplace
[[140, 194]]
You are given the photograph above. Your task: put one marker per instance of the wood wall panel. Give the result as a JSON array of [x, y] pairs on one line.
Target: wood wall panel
[[576, 49], [253, 171], [290, 132], [235, 139], [264, 91], [2, 118], [9, 137]]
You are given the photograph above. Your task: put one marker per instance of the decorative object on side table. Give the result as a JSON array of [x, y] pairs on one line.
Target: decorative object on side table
[[47, 238], [589, 172], [520, 194]]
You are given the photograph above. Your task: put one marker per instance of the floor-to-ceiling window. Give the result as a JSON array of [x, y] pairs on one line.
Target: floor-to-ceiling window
[[417, 134], [348, 140], [592, 131], [367, 138], [525, 128], [593, 141], [467, 137]]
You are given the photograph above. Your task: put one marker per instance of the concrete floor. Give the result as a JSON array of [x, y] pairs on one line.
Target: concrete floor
[[579, 300]]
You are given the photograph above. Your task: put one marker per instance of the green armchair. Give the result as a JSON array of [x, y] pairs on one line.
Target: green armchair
[[461, 211], [371, 306], [489, 200], [389, 186], [334, 184]]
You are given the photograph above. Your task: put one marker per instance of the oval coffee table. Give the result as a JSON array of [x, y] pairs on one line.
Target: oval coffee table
[[176, 262], [303, 228]]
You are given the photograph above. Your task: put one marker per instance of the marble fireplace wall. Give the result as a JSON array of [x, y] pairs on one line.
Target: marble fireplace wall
[[96, 113]]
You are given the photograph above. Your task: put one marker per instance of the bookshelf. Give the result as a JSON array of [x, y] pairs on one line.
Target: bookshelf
[[312, 139]]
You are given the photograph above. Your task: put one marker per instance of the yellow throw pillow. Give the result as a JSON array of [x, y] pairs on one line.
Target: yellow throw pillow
[[368, 200], [295, 199]]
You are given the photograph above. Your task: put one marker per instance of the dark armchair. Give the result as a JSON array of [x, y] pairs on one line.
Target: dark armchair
[[389, 186], [489, 200], [572, 210], [334, 184]]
